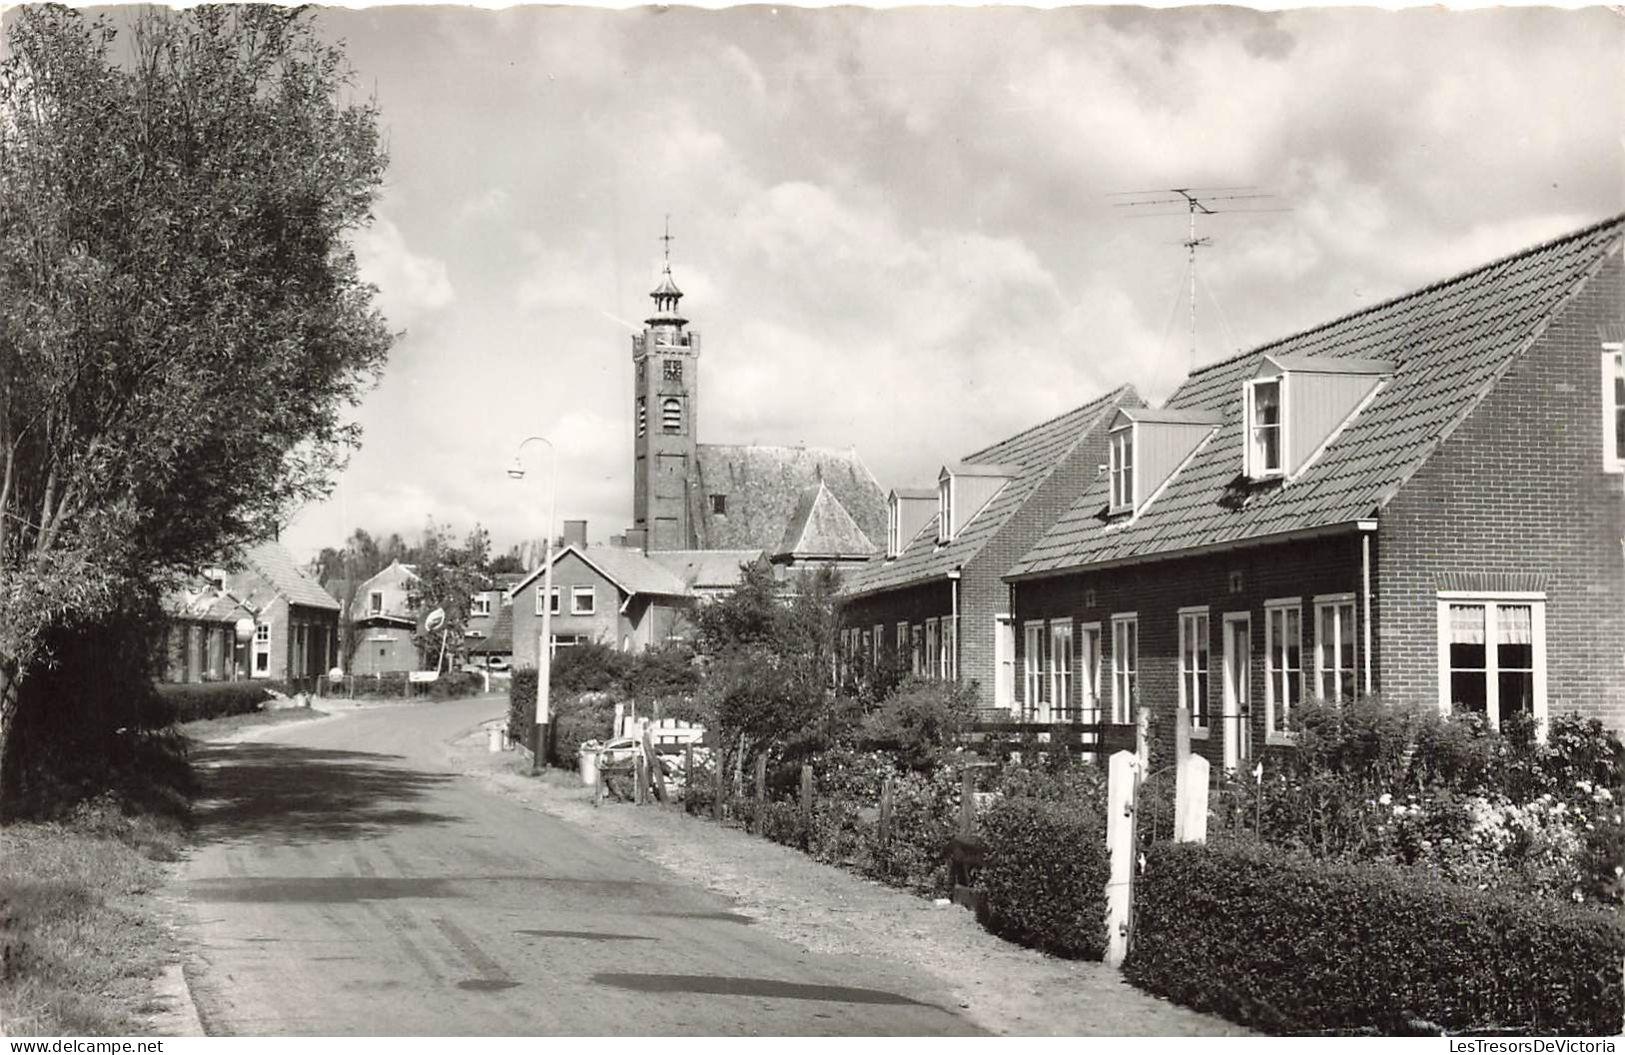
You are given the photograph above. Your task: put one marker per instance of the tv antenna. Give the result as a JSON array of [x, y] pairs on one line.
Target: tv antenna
[[1195, 200]]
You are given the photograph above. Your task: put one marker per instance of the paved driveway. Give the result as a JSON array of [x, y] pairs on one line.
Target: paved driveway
[[349, 883]]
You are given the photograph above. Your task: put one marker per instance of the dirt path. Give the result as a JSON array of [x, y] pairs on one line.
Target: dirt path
[[1003, 988]]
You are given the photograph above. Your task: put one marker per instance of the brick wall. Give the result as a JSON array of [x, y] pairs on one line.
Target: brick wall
[[915, 604], [1518, 493], [1157, 591], [604, 625]]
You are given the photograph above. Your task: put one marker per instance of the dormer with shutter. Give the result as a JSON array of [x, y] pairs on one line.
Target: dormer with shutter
[[963, 489], [907, 511], [1146, 447], [1294, 405]]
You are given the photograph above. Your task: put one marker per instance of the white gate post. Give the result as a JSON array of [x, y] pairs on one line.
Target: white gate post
[[1120, 824], [1190, 801]]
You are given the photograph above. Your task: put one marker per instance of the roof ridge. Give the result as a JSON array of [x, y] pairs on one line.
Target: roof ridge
[[1572, 236], [1102, 398]]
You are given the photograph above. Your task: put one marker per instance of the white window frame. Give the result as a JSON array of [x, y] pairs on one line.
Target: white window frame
[[894, 528], [262, 648], [1062, 667], [554, 595], [375, 602], [945, 509], [902, 643], [583, 593], [1124, 458], [1004, 661], [1251, 453], [1033, 704], [1613, 360], [1125, 667], [876, 641], [1196, 668], [479, 604], [1332, 672], [1535, 601], [933, 646], [1276, 679], [916, 650], [950, 648]]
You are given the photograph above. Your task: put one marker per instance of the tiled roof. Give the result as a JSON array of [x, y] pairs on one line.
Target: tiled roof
[[1034, 453], [821, 527], [629, 569], [203, 604], [500, 639], [277, 565], [764, 484], [706, 569], [1447, 342]]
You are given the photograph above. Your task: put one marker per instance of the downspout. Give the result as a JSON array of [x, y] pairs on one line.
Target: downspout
[[1365, 583], [953, 577]]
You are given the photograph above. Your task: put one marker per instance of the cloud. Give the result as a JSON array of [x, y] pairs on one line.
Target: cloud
[[410, 285]]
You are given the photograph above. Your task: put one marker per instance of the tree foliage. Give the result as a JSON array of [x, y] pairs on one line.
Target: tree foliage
[[182, 325]]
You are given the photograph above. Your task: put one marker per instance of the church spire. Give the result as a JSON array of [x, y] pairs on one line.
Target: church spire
[[666, 295]]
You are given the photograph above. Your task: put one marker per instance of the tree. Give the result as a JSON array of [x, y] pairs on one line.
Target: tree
[[448, 577], [182, 324]]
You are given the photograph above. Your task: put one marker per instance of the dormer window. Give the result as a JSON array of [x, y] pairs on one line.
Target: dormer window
[[1264, 428], [1295, 406], [1122, 469], [908, 510], [945, 509]]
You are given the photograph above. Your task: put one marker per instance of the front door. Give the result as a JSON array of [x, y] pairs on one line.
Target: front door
[[1004, 649], [1238, 665]]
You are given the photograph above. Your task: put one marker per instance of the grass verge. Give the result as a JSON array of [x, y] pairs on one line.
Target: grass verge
[[81, 938], [213, 728]]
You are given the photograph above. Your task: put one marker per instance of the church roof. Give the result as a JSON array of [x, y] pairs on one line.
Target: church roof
[[821, 527], [764, 486]]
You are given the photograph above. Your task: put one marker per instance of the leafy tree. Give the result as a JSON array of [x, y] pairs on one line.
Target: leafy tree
[[509, 563], [448, 577], [182, 324]]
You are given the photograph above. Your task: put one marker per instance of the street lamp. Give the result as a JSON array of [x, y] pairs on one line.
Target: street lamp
[[544, 659]]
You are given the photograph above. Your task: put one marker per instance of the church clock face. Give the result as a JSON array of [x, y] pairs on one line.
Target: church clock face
[[672, 369]]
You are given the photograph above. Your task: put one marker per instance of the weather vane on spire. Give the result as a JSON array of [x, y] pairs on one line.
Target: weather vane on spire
[[667, 238]]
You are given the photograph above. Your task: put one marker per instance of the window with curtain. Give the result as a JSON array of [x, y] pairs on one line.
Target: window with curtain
[[1032, 666], [1493, 657], [1125, 668], [1335, 648], [1283, 666], [1194, 656], [933, 648], [1060, 670]]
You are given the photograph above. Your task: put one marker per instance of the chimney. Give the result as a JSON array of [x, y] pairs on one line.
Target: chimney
[[618, 541], [575, 533], [638, 539]]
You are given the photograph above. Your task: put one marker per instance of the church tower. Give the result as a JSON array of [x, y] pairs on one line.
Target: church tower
[[665, 408]]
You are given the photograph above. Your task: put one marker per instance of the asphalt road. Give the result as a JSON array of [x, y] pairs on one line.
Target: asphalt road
[[350, 883]]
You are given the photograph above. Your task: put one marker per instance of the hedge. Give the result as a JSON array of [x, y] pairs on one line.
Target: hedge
[[1044, 876], [192, 702], [1291, 945]]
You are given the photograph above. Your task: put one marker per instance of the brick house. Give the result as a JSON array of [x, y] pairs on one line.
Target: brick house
[[200, 634], [937, 603], [613, 595], [296, 634], [1422, 499], [383, 617]]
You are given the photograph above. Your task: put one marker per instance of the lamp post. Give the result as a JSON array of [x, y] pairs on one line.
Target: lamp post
[[544, 658]]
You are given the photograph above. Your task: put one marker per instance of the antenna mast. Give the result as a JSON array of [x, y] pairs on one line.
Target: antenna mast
[[1195, 200]]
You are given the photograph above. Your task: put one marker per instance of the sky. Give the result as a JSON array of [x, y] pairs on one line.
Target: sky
[[901, 230]]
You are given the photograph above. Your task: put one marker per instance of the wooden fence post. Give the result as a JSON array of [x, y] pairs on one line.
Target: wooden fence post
[[1142, 740], [761, 793], [967, 802], [1120, 845], [716, 801], [806, 797], [1190, 801], [885, 810], [640, 774], [657, 775]]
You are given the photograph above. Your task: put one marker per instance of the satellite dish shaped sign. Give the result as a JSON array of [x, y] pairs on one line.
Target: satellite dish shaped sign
[[434, 620]]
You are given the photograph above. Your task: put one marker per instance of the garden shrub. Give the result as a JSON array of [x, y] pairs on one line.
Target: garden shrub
[[925, 818], [592, 667], [1044, 875], [576, 720], [217, 699], [1292, 945], [921, 721], [522, 686]]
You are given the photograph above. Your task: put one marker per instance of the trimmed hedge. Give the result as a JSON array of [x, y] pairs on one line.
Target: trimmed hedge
[[1045, 875], [1291, 945], [179, 703]]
